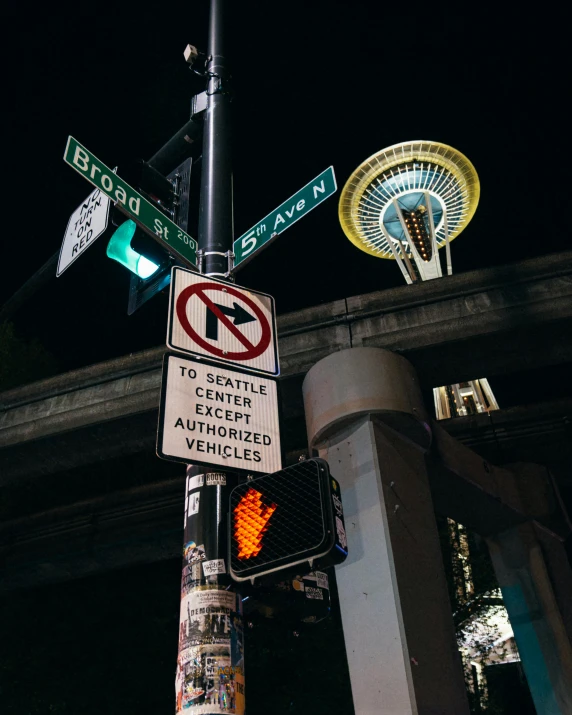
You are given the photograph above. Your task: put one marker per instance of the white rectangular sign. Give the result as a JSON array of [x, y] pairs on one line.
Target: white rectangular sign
[[217, 415], [222, 321], [86, 224]]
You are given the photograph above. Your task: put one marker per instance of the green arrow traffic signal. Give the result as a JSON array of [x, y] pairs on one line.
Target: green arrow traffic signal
[[130, 245], [150, 256], [120, 249]]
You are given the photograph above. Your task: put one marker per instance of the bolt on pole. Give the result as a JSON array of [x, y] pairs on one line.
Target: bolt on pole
[[210, 661]]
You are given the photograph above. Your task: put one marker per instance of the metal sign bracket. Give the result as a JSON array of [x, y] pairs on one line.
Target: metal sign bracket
[[229, 255]]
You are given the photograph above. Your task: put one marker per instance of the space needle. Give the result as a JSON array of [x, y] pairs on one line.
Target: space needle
[[404, 204]]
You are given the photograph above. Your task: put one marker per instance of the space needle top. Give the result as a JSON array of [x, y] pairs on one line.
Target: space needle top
[[407, 201]]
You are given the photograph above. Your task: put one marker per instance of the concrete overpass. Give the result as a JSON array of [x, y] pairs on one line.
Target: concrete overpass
[[77, 450]]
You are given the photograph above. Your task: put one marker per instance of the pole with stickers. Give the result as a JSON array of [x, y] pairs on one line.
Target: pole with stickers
[[219, 414], [210, 661]]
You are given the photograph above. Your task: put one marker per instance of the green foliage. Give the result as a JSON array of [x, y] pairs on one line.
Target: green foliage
[[479, 636], [22, 361], [479, 614]]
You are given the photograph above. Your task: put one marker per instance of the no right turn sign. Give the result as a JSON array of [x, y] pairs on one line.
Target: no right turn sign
[[221, 321]]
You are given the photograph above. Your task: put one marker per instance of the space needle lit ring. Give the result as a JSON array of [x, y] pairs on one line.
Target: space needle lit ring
[[404, 176]]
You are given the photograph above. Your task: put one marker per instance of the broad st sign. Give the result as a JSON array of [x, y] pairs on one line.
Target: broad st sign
[[213, 414], [131, 203]]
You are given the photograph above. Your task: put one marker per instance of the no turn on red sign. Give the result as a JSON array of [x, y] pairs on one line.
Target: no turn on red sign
[[223, 322]]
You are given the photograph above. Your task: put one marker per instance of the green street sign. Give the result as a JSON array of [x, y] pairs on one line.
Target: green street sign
[[131, 203], [265, 231]]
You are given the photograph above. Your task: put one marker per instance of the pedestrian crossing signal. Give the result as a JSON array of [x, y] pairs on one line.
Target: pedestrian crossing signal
[[251, 518], [285, 519]]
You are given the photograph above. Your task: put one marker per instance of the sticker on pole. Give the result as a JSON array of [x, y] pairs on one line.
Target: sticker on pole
[[221, 321]]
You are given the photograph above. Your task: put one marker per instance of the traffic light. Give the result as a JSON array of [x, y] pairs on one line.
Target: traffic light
[[150, 265], [147, 259], [131, 247], [129, 244], [285, 519]]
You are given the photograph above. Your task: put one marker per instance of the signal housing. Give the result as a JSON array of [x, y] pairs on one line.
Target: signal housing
[[281, 520]]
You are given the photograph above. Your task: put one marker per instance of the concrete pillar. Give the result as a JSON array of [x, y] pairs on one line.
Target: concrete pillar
[[532, 605], [366, 418]]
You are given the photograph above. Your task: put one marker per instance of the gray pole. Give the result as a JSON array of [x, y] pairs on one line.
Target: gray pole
[[373, 429], [210, 662]]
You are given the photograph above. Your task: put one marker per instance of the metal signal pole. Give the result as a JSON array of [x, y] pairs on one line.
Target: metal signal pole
[[210, 662], [215, 213]]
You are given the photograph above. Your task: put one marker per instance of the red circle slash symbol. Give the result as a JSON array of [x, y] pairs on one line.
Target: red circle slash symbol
[[252, 351]]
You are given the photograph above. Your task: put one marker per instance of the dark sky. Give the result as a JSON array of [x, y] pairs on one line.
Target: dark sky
[[316, 84]]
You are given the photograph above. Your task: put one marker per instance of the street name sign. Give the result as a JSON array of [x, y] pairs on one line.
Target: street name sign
[[265, 231], [213, 414], [131, 203], [222, 321], [86, 224]]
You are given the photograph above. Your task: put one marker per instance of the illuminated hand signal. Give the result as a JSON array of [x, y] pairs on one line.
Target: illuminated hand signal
[[251, 518]]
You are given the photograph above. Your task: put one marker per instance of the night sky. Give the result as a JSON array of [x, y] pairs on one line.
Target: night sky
[[316, 84]]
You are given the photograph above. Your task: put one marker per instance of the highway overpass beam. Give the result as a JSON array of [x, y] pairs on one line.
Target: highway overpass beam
[[536, 619]]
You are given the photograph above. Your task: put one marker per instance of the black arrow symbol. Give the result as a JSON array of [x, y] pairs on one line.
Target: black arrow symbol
[[237, 312]]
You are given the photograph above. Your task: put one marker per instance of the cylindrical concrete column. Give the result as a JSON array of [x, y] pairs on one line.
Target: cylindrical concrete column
[[365, 416], [364, 381]]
